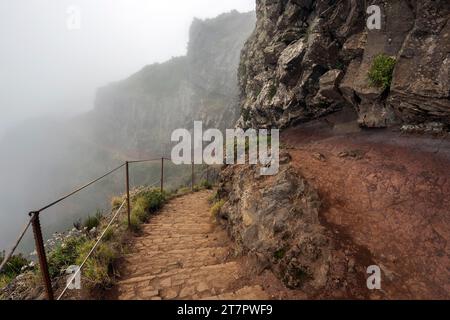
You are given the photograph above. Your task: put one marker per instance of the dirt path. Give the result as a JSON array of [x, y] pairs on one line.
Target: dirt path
[[182, 254], [389, 193]]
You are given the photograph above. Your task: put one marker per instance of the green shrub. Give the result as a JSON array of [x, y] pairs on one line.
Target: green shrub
[[135, 223], [116, 202], [109, 234], [139, 210], [205, 184], [14, 266], [380, 73], [64, 255], [215, 210], [196, 188], [151, 200], [93, 221], [4, 281], [213, 198], [184, 190], [97, 267]]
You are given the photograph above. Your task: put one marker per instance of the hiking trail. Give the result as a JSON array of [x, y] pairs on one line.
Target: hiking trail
[[183, 254]]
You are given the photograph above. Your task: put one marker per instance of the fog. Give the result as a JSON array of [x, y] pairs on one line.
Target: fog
[[50, 71], [47, 67]]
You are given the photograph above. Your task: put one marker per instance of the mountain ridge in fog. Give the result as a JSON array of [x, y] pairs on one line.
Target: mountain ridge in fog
[[132, 118]]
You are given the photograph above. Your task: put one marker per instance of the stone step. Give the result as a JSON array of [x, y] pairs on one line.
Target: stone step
[[245, 293], [185, 283], [179, 242], [156, 263], [183, 218], [176, 229]]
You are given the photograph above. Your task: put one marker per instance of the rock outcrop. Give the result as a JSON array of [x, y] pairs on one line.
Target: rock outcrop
[[302, 49], [274, 220]]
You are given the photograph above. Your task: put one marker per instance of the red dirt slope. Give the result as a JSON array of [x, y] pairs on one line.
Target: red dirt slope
[[389, 193]]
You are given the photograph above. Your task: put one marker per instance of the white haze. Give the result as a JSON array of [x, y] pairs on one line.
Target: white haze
[[47, 69], [49, 73]]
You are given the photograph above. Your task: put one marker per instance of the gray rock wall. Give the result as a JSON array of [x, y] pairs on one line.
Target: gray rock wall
[[297, 42]]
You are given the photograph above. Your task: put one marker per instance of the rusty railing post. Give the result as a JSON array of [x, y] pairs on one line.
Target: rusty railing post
[[192, 177], [40, 249], [162, 175], [127, 176]]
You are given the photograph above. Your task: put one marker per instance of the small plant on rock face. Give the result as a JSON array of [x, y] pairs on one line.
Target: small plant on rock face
[[213, 198], [272, 91], [245, 112], [279, 254], [380, 73], [215, 210]]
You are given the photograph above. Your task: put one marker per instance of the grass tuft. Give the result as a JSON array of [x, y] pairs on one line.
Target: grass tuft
[[380, 73], [217, 207]]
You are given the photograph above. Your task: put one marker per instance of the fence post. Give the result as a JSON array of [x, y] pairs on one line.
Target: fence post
[[192, 177], [127, 176], [40, 249], [207, 174], [162, 175]]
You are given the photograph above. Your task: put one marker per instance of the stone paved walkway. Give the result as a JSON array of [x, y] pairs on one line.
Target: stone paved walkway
[[182, 254]]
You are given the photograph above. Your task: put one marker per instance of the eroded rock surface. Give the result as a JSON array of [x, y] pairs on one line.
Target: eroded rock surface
[[298, 42], [275, 221]]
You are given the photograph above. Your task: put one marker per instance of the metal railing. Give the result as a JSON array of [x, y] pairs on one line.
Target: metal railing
[[34, 220]]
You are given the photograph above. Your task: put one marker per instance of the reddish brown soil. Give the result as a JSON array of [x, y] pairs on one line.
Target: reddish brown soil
[[389, 195]]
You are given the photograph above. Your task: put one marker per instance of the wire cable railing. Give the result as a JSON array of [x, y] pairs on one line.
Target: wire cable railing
[[34, 220], [91, 251]]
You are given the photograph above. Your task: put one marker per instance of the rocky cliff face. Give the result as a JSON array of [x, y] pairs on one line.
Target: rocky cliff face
[[199, 86], [275, 222], [310, 58]]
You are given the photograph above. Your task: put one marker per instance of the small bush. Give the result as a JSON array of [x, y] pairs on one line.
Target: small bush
[[215, 210], [93, 221], [97, 267], [380, 73], [213, 198], [135, 223], [64, 255], [151, 200], [109, 235], [184, 190], [139, 210], [205, 184], [14, 266], [4, 281], [116, 202], [196, 188]]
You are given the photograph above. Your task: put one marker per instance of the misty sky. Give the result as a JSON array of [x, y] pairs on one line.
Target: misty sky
[[46, 68]]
